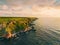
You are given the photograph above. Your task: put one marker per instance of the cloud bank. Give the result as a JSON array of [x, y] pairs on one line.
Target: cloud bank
[[32, 8]]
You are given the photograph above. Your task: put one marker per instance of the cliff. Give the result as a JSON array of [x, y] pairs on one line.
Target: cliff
[[11, 25]]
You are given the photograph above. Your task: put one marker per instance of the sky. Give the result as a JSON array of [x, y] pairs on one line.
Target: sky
[[30, 8]]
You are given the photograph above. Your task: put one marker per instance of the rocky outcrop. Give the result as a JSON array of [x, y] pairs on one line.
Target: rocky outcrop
[[12, 26]]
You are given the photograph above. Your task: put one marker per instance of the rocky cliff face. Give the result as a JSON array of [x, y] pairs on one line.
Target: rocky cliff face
[[11, 25]]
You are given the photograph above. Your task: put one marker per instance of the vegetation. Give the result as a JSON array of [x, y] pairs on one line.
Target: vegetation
[[10, 25]]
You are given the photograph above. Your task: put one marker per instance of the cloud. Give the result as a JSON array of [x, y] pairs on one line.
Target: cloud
[[30, 2], [38, 8], [33, 2], [4, 7], [35, 11]]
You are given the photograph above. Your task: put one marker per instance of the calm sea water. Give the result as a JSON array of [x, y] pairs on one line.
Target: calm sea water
[[47, 33]]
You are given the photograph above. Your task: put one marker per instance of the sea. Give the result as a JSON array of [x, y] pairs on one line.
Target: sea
[[47, 33]]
